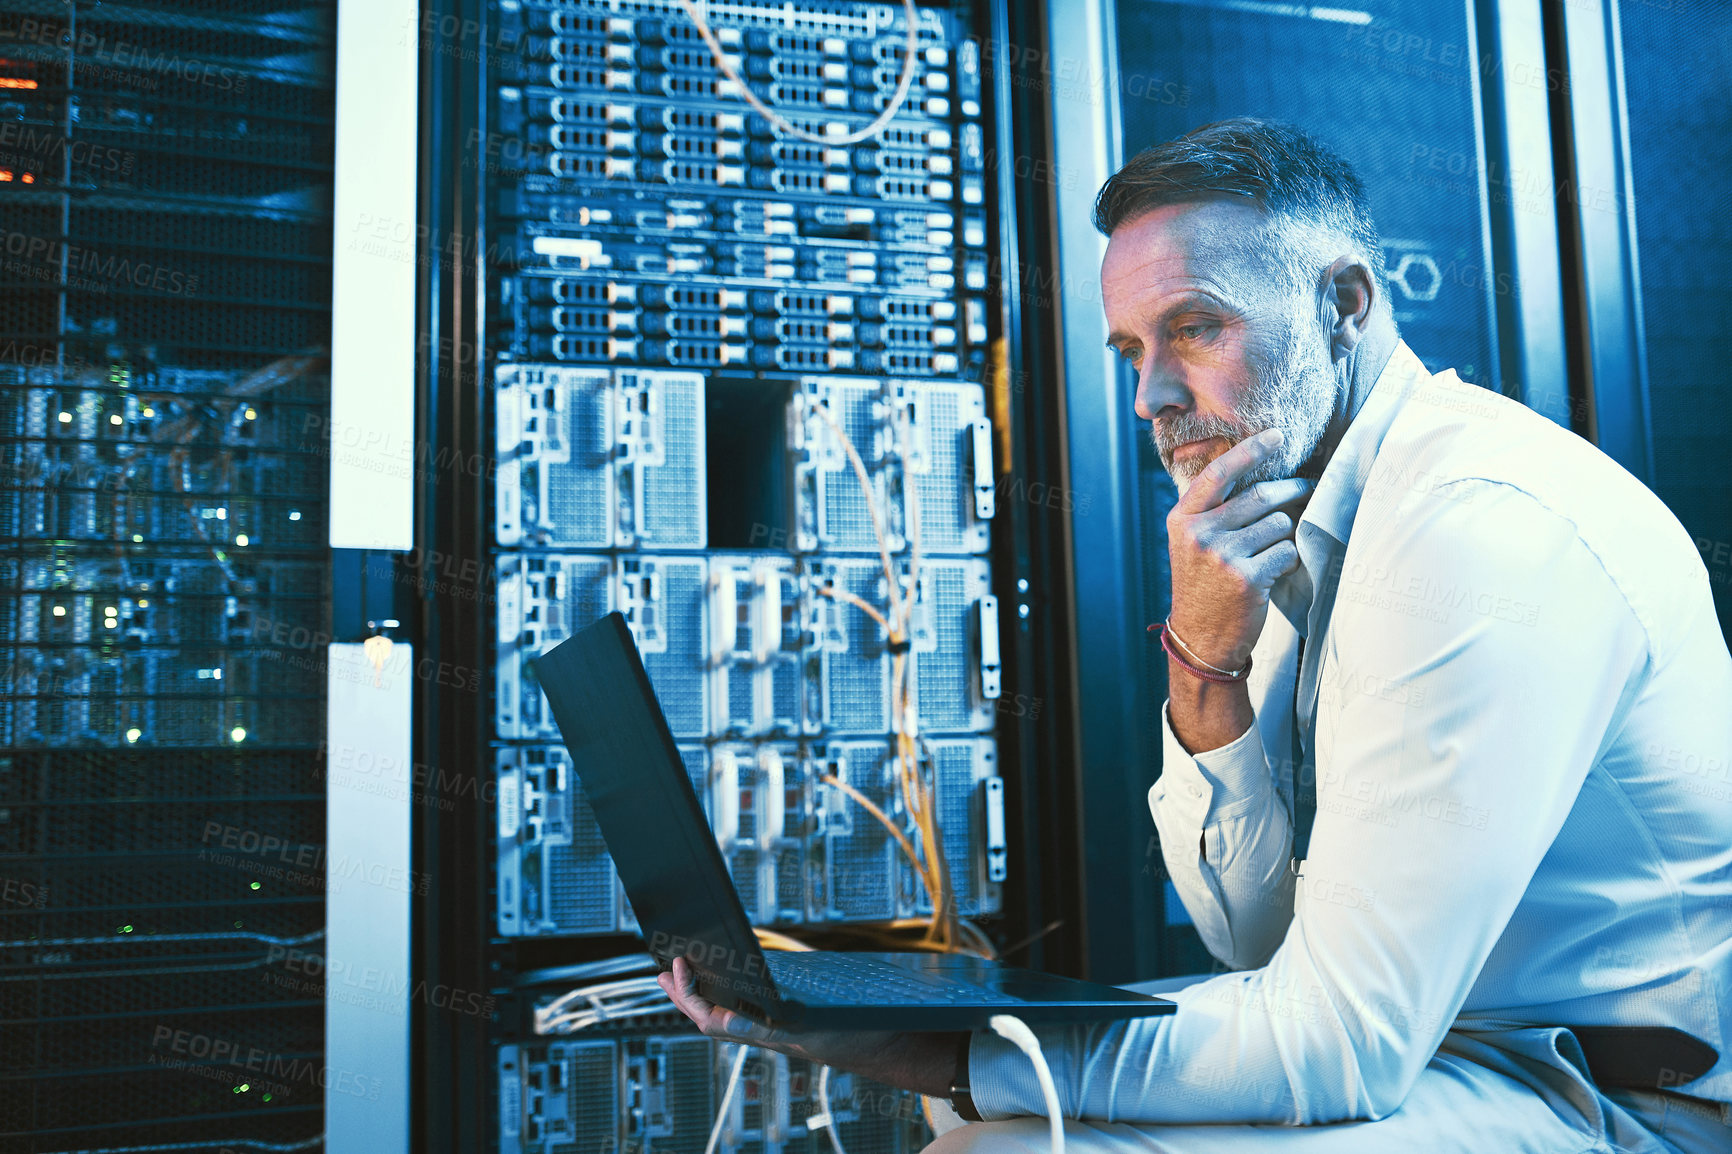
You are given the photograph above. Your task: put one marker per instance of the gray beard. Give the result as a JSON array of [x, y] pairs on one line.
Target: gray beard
[[1296, 394]]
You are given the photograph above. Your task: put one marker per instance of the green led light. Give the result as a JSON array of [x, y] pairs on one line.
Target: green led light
[[237, 925], [126, 929], [243, 1088], [267, 1097], [255, 885]]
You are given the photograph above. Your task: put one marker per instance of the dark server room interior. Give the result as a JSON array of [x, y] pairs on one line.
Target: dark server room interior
[[922, 619]]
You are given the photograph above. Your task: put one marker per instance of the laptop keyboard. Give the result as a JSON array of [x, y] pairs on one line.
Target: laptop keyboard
[[840, 977]]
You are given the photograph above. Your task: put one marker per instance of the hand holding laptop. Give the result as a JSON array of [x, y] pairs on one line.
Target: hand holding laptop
[[827, 1007], [922, 1062]]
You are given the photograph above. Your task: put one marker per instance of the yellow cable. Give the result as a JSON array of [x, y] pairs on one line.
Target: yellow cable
[[910, 53], [771, 940], [944, 929], [911, 494], [858, 602], [867, 804], [871, 509], [919, 793]]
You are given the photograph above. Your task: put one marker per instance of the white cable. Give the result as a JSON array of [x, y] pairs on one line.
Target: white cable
[[824, 1118], [594, 993], [572, 1023], [727, 1098], [909, 56], [585, 1006], [1016, 1032]]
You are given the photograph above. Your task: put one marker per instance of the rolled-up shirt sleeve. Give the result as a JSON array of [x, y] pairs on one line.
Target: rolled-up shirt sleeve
[[1225, 801], [1498, 654]]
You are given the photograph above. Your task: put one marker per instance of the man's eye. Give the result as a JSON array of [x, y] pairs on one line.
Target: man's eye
[[1192, 332]]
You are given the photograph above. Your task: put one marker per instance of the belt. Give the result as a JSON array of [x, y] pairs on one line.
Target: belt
[[1643, 1057]]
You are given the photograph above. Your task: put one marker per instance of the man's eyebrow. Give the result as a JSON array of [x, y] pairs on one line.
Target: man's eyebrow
[[1189, 299]]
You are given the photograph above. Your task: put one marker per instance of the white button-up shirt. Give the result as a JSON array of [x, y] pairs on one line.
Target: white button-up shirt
[[1519, 704]]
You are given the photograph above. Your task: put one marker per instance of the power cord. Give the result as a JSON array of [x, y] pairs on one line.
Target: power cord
[[1006, 1026], [727, 1099], [824, 1118], [910, 56], [1016, 1032]]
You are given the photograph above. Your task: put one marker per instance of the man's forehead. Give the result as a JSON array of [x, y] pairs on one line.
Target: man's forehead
[[1176, 242]]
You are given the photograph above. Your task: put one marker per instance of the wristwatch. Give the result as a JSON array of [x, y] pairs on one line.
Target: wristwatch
[[960, 1099]]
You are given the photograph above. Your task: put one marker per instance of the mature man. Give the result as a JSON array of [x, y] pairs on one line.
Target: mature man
[[1496, 656]]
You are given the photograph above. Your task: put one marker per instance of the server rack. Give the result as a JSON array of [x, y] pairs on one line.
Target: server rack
[[577, 340], [164, 181]]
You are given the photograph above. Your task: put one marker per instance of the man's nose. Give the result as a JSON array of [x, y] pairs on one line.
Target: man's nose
[[1157, 389]]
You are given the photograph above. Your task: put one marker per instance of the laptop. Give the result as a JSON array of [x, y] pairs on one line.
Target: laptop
[[685, 902]]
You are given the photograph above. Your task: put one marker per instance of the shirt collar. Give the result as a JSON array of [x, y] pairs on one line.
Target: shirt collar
[[1328, 518], [1335, 501]]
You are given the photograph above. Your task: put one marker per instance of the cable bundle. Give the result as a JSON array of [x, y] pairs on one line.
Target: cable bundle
[[945, 931]]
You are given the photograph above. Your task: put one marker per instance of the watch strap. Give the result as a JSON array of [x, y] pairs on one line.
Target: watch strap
[[961, 1099]]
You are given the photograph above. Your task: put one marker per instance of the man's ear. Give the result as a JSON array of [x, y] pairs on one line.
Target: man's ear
[[1349, 292]]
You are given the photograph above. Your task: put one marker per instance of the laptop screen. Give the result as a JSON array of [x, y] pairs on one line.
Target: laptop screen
[[653, 824]]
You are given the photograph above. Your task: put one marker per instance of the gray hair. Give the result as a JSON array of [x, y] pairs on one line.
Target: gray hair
[[1312, 197]]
